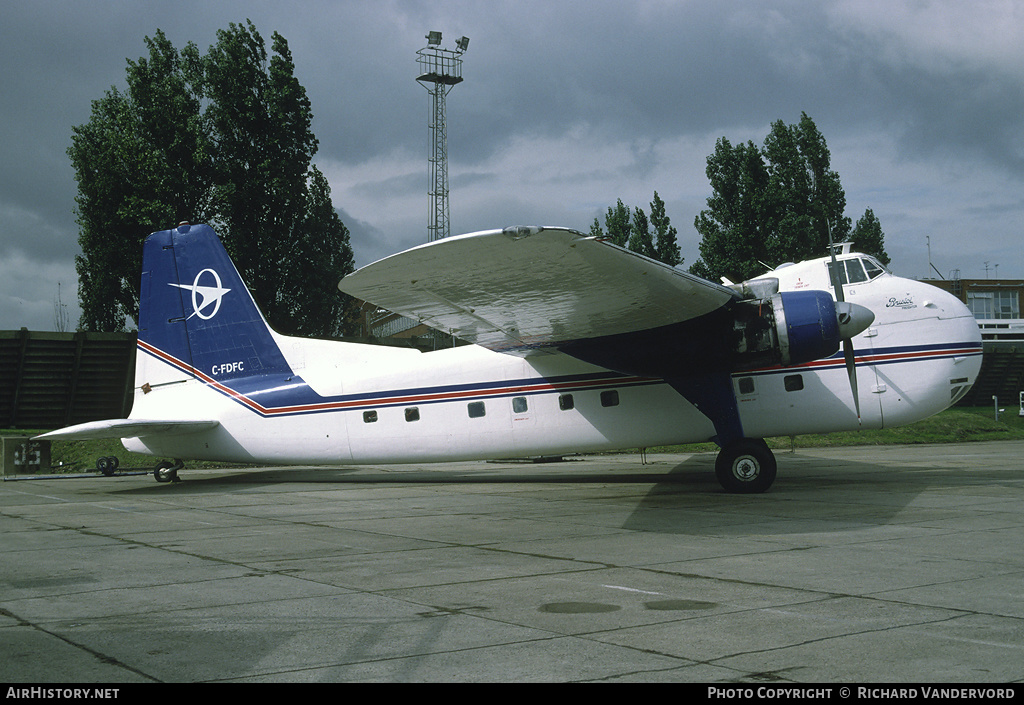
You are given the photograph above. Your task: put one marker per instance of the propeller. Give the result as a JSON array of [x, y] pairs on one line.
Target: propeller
[[853, 318]]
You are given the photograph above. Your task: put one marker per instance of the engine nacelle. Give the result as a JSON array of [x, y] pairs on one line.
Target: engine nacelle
[[788, 328], [808, 325]]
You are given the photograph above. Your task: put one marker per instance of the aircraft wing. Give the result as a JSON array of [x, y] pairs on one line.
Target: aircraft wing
[[126, 428], [526, 289]]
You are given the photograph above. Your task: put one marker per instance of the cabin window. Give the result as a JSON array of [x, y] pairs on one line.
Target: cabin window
[[794, 383], [746, 385], [610, 398], [412, 413], [520, 405], [566, 402], [369, 417], [477, 409]]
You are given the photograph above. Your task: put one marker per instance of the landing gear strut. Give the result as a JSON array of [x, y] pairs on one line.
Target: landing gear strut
[[746, 466], [166, 471]]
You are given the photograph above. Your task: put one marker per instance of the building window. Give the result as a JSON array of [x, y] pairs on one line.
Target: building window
[[477, 409], [610, 398], [993, 304], [565, 402], [412, 413], [794, 383], [520, 405], [369, 417]]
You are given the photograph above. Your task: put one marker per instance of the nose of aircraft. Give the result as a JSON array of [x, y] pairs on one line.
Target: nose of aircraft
[[853, 319]]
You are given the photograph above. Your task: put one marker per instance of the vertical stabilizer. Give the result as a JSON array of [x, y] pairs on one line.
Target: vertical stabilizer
[[196, 313]]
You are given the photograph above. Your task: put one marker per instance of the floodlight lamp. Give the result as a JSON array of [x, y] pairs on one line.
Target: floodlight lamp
[[463, 43], [434, 38]]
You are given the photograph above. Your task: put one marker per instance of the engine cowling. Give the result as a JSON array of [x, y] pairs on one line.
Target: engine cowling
[[794, 327], [807, 324]]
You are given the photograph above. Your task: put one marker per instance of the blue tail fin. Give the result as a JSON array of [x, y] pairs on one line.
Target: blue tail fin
[[195, 311]]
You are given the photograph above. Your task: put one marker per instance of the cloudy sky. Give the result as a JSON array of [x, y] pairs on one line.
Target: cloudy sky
[[566, 107]]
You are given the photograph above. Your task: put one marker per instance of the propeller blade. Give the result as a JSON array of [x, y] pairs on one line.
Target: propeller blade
[[851, 370], [853, 319], [835, 277], [833, 270]]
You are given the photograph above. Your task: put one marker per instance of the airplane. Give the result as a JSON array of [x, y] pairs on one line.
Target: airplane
[[577, 346]]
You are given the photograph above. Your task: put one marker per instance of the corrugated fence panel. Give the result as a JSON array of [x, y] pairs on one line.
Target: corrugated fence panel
[[50, 380], [1002, 374]]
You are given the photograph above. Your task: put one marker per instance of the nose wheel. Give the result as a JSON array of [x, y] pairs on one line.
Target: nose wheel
[[746, 467]]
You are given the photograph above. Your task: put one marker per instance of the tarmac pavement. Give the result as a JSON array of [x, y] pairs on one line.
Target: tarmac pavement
[[860, 565]]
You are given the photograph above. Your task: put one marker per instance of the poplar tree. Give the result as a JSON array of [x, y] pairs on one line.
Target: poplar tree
[[223, 138], [867, 236], [641, 240], [652, 236], [666, 244], [618, 223]]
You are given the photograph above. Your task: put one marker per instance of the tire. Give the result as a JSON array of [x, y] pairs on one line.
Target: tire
[[106, 466], [165, 472], [746, 467]]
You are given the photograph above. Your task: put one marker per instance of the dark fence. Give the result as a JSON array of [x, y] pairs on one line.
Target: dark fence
[[1002, 374], [50, 380]]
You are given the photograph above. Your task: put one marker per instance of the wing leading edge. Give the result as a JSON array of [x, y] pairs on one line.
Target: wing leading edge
[[521, 290]]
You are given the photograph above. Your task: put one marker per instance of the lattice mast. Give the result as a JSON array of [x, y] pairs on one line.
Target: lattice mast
[[440, 70]]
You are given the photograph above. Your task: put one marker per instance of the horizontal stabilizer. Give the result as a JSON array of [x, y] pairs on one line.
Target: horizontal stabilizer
[[126, 428]]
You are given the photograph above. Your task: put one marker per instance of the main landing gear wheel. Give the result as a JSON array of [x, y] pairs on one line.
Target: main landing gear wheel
[[108, 465], [166, 471], [746, 467]]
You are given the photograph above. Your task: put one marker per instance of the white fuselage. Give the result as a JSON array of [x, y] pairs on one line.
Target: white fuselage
[[362, 404]]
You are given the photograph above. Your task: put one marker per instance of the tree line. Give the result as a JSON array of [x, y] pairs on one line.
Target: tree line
[[777, 203], [653, 236]]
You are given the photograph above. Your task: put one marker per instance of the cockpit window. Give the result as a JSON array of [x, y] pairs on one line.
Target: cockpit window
[[873, 268], [837, 272], [853, 271]]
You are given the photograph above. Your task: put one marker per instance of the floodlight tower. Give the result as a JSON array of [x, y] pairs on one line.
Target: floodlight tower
[[440, 71]]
